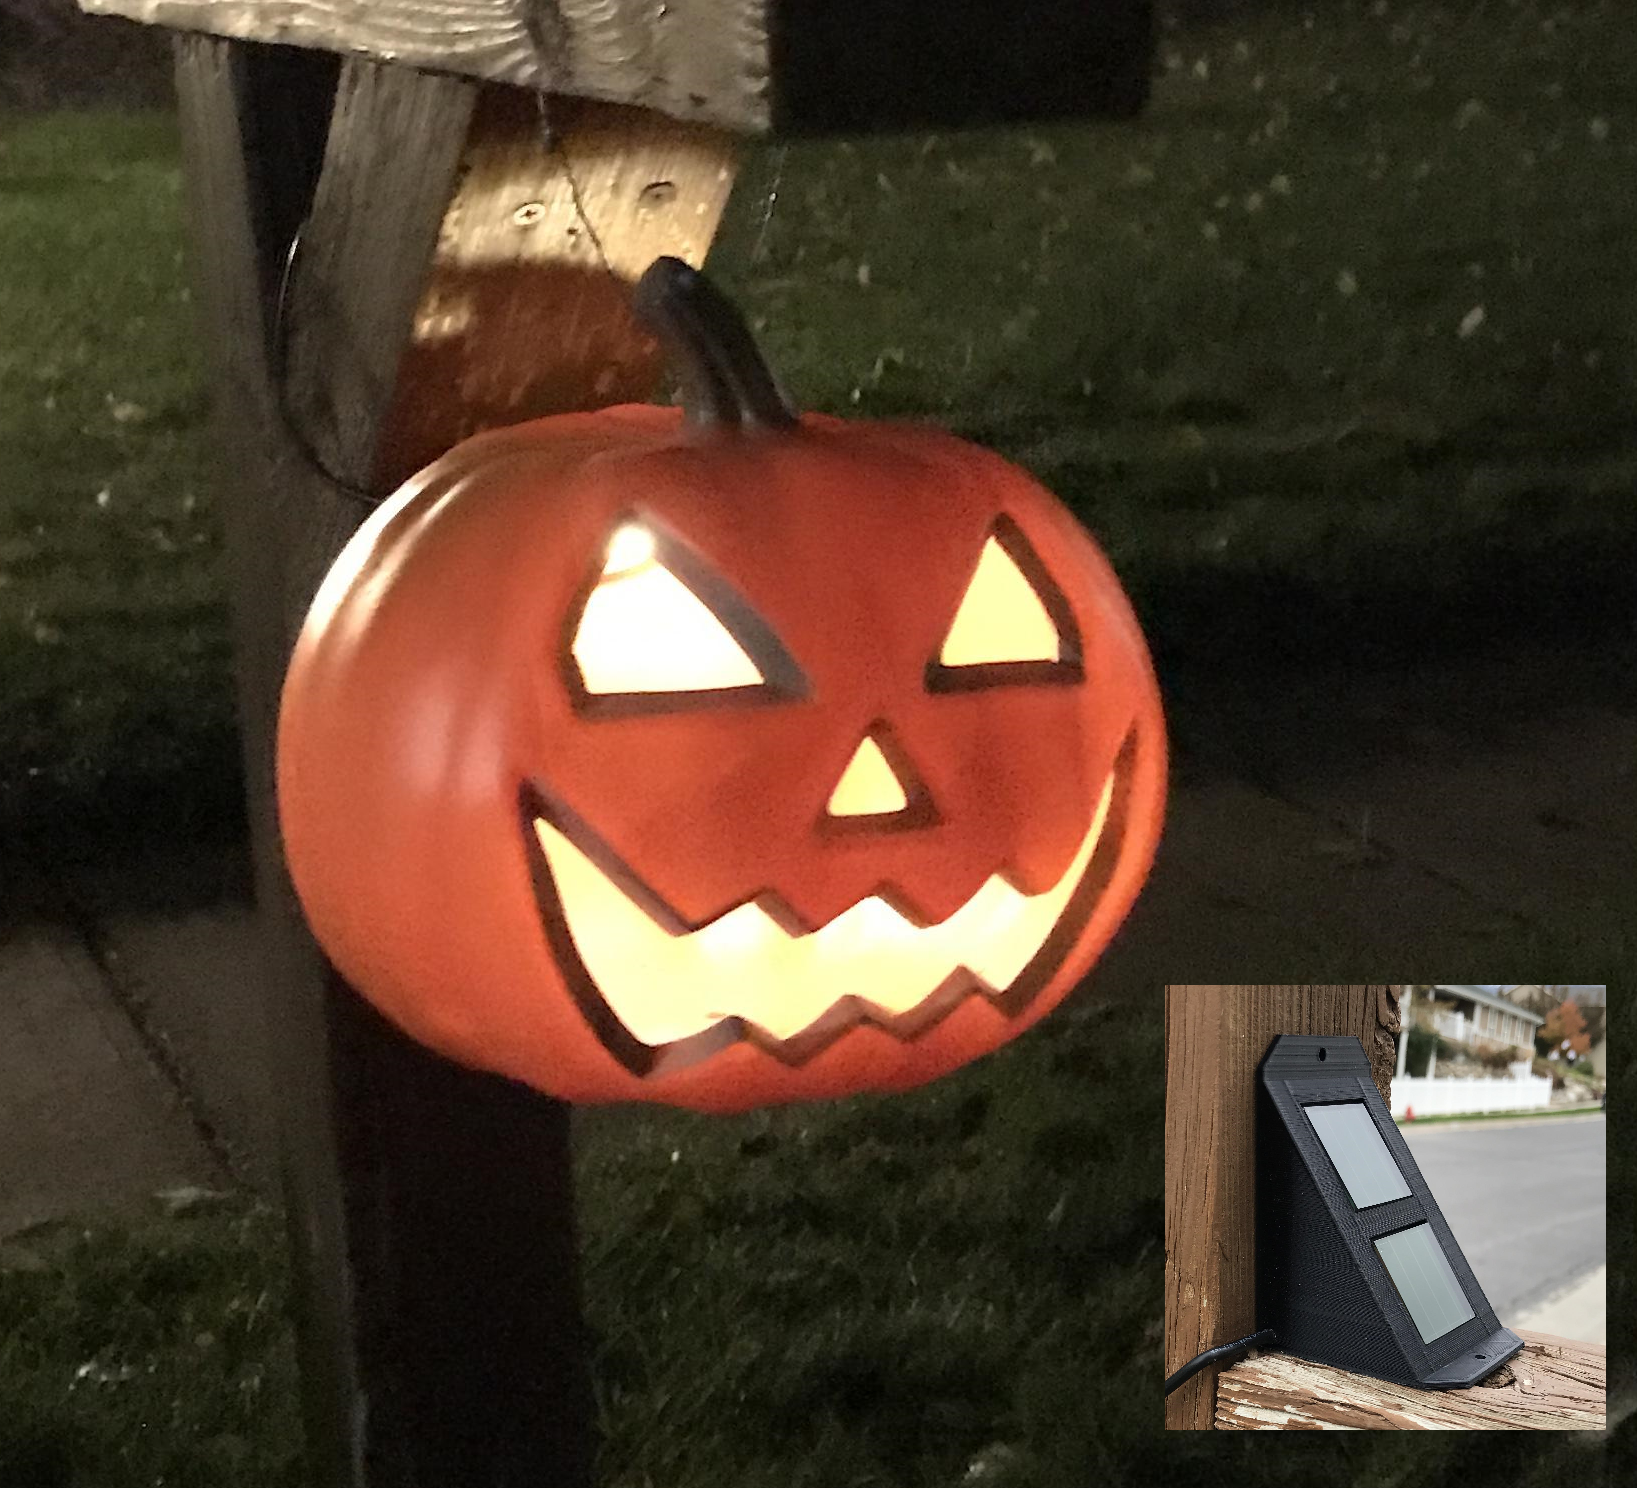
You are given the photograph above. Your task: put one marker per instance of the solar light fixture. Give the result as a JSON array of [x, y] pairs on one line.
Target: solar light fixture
[[1355, 1265]]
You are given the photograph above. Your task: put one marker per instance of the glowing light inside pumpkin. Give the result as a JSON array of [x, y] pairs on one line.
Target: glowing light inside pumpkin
[[869, 786], [664, 986], [1001, 618], [644, 630], [630, 547]]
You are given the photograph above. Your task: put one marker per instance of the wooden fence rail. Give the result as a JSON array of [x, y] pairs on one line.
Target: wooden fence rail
[[1555, 1384]]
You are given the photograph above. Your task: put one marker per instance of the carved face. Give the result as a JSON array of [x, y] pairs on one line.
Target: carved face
[[719, 768]]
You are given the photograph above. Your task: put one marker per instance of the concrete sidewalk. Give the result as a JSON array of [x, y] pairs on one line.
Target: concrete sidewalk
[[1326, 829], [88, 1123], [1579, 1311]]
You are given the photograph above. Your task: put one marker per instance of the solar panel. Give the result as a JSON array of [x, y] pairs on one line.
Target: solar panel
[[1421, 1272], [1360, 1156]]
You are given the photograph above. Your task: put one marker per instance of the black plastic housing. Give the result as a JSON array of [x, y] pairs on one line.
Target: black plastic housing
[[1320, 1283], [871, 65]]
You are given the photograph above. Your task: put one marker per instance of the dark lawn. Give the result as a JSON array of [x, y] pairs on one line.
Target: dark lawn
[[1337, 343], [1334, 351], [959, 1286]]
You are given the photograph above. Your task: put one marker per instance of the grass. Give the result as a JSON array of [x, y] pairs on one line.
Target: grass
[[1500, 1116], [155, 1352], [961, 1286], [885, 1291], [1338, 329], [875, 1292], [1339, 316], [113, 649], [1242, 338]]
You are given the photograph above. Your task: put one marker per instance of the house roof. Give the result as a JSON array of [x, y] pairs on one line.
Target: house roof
[[1488, 999]]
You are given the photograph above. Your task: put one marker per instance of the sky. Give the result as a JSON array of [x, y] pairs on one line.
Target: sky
[[1589, 994]]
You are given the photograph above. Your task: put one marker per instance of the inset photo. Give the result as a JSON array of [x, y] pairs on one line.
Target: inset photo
[[1385, 1207]]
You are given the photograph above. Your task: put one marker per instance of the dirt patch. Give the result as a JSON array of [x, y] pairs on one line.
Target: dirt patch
[[52, 56]]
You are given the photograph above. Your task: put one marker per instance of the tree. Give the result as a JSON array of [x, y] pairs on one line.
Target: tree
[[1564, 1022]]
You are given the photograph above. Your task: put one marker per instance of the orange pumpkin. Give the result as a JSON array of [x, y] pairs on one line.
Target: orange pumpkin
[[718, 756]]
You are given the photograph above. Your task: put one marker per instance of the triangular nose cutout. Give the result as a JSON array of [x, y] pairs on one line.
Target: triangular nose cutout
[[869, 786]]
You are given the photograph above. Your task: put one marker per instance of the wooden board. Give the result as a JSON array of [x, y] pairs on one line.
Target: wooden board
[[744, 65], [1215, 1036], [1555, 1384], [526, 308], [692, 59]]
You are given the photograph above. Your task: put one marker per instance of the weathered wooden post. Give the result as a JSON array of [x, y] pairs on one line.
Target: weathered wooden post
[[1215, 1036], [412, 220]]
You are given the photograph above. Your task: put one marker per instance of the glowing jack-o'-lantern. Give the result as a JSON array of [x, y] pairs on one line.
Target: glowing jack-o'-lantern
[[718, 756]]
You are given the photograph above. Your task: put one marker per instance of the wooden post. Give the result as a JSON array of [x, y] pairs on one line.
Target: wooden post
[[253, 128], [1555, 1384], [1215, 1036], [430, 1206]]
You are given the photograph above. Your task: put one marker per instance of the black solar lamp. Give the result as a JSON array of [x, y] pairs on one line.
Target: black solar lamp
[[1355, 1265]]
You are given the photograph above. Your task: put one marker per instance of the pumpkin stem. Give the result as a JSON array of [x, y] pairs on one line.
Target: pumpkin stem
[[725, 382]]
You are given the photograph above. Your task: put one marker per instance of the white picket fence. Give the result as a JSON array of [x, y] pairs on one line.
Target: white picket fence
[[1457, 1097]]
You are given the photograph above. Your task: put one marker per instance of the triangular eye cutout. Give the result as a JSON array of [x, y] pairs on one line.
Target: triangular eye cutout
[[1013, 624], [1001, 617], [659, 629]]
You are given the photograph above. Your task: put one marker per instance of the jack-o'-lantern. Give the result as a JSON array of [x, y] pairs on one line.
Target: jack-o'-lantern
[[718, 756]]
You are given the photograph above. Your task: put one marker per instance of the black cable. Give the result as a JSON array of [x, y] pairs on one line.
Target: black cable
[[1216, 1355], [279, 357]]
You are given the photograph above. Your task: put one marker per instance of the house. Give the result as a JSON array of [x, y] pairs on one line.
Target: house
[[1483, 1020], [1534, 996]]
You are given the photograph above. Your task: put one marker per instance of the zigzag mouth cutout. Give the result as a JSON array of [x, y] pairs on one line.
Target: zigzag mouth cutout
[[662, 993]]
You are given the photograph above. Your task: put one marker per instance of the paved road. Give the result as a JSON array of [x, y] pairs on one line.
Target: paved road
[[1526, 1200]]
